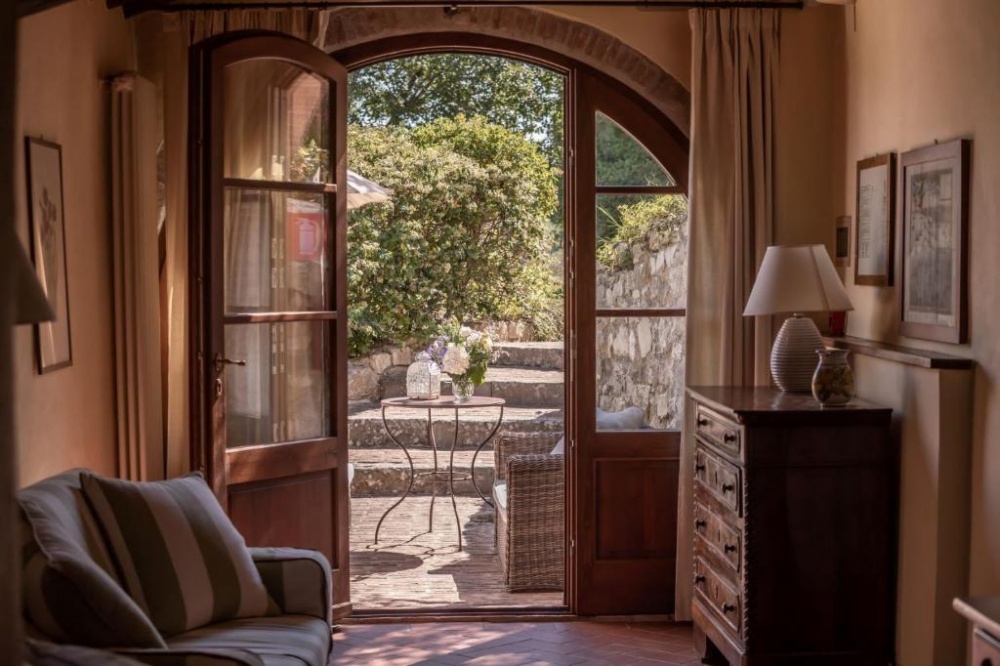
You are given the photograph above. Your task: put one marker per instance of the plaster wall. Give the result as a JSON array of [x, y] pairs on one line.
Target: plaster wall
[[920, 71], [66, 418]]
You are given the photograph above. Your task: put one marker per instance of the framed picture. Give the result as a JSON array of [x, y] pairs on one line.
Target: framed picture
[[934, 218], [43, 161], [842, 240], [873, 251]]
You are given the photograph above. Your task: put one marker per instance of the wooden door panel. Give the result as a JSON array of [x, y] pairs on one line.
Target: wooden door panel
[[624, 482], [289, 512], [630, 496], [269, 326]]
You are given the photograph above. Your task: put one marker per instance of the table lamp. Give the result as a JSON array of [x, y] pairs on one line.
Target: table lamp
[[796, 279]]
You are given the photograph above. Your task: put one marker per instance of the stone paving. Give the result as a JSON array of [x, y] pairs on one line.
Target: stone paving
[[412, 567]]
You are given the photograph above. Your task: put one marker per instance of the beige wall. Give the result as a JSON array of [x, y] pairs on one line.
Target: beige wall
[[920, 71], [66, 418]]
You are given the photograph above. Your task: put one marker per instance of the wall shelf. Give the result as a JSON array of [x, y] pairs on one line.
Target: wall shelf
[[921, 358]]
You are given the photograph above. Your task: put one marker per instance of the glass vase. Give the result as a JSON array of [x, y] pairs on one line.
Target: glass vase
[[462, 388], [833, 381]]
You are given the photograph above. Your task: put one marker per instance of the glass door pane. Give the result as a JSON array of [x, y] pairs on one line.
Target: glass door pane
[[276, 123]]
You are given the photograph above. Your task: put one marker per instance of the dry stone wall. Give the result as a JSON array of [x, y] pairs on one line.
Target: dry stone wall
[[640, 360]]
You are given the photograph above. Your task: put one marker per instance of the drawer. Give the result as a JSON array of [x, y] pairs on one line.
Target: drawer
[[725, 539], [719, 431], [720, 477], [985, 649], [712, 589]]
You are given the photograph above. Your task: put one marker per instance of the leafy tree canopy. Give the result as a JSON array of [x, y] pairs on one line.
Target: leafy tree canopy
[[412, 91], [465, 235]]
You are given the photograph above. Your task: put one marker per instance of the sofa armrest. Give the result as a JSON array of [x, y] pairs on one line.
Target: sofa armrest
[[298, 580], [192, 657]]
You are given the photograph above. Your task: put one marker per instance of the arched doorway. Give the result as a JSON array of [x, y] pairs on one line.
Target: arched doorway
[[621, 485]]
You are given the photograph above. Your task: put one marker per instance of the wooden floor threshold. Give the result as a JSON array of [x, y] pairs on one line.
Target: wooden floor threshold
[[499, 614]]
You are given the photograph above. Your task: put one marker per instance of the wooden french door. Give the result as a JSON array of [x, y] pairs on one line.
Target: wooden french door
[[626, 335], [270, 289]]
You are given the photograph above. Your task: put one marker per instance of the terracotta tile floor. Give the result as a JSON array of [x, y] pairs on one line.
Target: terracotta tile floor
[[510, 644], [412, 567]]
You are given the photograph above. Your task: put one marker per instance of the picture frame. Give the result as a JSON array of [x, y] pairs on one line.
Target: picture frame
[[842, 241], [873, 242], [934, 223], [47, 231]]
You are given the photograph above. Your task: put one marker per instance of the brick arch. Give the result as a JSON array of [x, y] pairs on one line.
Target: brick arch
[[349, 28]]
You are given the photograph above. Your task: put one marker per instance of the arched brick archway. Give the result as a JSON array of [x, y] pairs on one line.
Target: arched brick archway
[[349, 28]]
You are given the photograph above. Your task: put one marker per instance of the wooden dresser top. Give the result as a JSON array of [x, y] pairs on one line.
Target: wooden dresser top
[[761, 405]]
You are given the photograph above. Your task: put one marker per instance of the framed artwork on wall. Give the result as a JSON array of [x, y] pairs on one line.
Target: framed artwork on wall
[[873, 243], [934, 222], [43, 162], [842, 241]]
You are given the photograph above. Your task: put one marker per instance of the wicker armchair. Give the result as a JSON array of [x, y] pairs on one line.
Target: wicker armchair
[[529, 509]]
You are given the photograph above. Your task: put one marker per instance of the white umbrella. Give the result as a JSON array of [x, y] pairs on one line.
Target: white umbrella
[[361, 191]]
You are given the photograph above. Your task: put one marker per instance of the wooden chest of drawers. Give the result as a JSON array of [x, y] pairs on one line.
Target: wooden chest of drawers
[[794, 528]]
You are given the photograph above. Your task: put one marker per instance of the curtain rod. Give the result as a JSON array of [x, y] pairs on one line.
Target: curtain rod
[[383, 4]]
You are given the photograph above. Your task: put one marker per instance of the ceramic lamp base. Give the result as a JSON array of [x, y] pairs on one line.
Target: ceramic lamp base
[[793, 356]]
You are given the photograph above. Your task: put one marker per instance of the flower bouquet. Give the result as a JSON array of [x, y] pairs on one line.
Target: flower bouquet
[[464, 354]]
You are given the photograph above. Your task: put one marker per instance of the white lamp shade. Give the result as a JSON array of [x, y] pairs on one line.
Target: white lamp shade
[[797, 278]]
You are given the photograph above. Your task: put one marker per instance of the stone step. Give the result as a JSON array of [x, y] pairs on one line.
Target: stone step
[[385, 472], [545, 355], [519, 386], [365, 429]]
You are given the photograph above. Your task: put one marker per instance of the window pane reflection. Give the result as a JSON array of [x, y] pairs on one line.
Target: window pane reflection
[[283, 391]]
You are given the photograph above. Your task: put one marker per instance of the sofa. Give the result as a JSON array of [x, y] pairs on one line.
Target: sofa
[[75, 600]]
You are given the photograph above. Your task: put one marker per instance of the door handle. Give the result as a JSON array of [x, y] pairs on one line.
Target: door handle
[[218, 362]]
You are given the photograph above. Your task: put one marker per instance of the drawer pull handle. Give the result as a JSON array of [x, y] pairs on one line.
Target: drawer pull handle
[[702, 422], [729, 548], [728, 608], [728, 487], [699, 523], [699, 579], [729, 437], [699, 467]]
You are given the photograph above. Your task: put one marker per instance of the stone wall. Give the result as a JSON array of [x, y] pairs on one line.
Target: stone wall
[[363, 374], [640, 360]]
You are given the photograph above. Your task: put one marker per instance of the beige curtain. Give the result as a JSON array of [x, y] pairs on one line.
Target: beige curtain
[[136, 279], [735, 67], [178, 33]]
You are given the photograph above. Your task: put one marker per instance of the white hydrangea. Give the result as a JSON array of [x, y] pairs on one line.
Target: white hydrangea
[[456, 360], [464, 333]]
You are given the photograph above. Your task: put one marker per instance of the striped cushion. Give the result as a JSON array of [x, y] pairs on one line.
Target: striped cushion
[[287, 640], [298, 580], [179, 555], [70, 589]]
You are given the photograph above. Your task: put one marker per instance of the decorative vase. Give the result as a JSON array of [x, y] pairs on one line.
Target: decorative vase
[[423, 379], [462, 388], [833, 381]]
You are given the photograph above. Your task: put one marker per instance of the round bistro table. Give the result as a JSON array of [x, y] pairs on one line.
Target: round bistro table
[[444, 402]]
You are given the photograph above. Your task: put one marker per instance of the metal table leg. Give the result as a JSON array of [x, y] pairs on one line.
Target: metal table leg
[[409, 487], [472, 466], [451, 481]]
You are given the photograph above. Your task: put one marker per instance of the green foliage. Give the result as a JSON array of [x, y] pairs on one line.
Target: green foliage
[[413, 91], [465, 235], [653, 221], [621, 160]]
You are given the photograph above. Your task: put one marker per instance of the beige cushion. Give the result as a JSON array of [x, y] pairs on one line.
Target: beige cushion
[[70, 588], [500, 495], [180, 557]]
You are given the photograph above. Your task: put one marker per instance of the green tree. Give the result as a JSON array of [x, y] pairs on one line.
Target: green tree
[[410, 92], [465, 236]]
